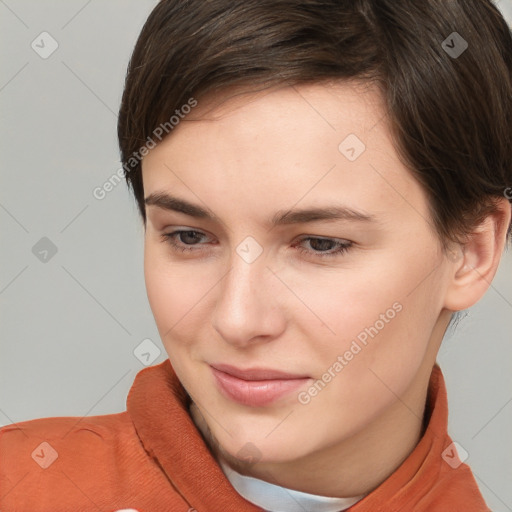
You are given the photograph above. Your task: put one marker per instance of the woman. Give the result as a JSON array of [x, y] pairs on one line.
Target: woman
[[323, 186]]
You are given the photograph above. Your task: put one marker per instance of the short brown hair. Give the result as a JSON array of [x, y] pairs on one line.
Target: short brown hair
[[450, 115]]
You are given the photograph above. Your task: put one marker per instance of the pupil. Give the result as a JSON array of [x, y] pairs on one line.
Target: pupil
[[188, 233], [321, 244]]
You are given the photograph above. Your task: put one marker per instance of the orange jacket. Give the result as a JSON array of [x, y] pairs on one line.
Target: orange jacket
[[152, 458]]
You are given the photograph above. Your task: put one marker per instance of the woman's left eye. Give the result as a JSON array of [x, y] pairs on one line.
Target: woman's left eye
[[176, 239], [340, 246]]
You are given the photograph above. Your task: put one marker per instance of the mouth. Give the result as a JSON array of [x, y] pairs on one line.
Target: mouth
[[255, 387]]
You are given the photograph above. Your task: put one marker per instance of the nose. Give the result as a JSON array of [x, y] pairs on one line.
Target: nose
[[248, 310]]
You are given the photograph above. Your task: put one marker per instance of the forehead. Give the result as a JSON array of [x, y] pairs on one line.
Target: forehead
[[284, 145], [287, 121], [322, 101]]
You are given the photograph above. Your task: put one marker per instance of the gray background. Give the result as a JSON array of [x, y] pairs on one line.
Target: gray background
[[70, 324]]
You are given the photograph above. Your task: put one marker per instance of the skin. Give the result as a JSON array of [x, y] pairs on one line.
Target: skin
[[243, 159]]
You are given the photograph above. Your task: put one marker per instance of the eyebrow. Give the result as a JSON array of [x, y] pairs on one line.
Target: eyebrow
[[166, 201]]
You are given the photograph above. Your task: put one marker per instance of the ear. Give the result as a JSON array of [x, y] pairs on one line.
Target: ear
[[473, 271]]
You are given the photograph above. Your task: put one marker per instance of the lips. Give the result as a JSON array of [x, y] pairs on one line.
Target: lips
[[257, 373], [255, 386]]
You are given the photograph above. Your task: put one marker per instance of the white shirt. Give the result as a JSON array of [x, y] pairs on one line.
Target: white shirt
[[274, 498]]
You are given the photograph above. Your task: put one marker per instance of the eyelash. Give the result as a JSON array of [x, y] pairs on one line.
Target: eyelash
[[343, 247]]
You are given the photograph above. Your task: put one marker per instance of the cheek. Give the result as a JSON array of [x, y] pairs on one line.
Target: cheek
[[369, 368], [345, 305], [383, 320], [174, 292]]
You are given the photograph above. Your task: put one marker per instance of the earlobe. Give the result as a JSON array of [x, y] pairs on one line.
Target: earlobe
[[478, 258]]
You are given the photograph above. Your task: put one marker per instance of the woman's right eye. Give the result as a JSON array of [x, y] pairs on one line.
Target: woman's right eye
[[181, 245]]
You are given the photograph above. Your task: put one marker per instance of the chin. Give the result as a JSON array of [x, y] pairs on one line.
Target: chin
[[248, 449]]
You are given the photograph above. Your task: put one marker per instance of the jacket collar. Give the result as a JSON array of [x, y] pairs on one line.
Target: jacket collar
[[158, 406], [418, 474]]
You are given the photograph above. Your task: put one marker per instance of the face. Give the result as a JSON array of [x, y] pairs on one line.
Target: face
[[345, 305]]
